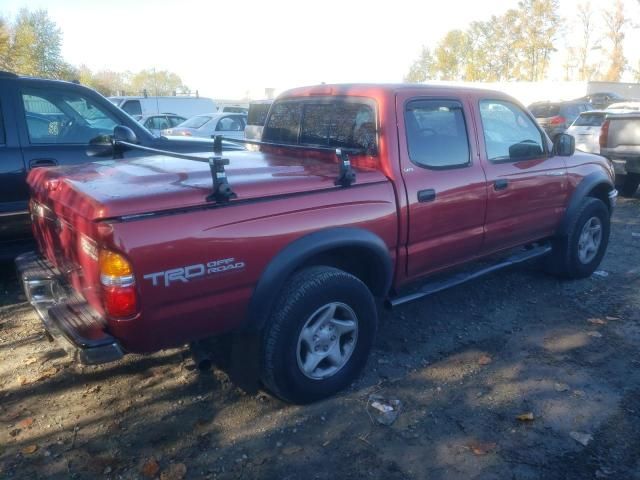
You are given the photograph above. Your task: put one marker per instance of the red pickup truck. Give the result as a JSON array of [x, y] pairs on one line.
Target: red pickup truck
[[357, 193]]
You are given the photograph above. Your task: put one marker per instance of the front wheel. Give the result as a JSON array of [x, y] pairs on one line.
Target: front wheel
[[579, 253], [319, 335]]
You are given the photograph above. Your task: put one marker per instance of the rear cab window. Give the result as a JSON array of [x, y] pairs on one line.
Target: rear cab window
[[437, 133], [334, 122], [258, 114], [545, 110], [132, 107], [589, 120]]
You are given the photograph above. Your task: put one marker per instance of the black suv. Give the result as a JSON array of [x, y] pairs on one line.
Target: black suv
[[49, 122], [556, 117]]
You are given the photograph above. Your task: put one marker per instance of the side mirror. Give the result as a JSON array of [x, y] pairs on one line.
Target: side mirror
[[124, 134], [564, 145]]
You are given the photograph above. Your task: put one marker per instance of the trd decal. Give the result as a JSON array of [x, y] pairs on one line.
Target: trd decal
[[191, 272]]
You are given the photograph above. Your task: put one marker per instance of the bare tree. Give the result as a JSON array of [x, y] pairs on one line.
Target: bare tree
[[585, 17], [616, 24]]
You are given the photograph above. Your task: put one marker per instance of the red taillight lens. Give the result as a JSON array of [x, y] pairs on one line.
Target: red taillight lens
[[120, 302], [557, 120], [604, 133], [118, 285]]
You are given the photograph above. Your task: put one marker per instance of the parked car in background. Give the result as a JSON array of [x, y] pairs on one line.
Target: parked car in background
[[46, 123], [231, 107], [227, 124], [256, 117], [183, 106], [556, 117], [156, 123], [601, 100], [586, 130], [620, 143]]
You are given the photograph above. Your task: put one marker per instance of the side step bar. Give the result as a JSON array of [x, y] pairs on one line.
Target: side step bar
[[459, 278]]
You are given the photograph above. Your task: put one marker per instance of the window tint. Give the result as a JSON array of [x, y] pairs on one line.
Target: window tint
[[590, 120], [284, 122], [196, 122], [132, 107], [436, 133], [158, 123], [2, 134], [327, 123], [572, 111], [173, 121], [229, 124], [258, 113], [509, 133], [56, 116], [544, 110]]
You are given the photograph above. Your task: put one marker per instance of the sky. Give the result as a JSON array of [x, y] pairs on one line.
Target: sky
[[228, 49]]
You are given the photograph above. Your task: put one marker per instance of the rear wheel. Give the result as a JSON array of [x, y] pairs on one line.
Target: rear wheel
[[579, 253], [630, 184], [319, 335]]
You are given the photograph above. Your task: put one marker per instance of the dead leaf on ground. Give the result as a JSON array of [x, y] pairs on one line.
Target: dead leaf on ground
[[23, 380], [28, 450], [48, 373], [597, 321], [12, 416], [526, 417], [26, 423], [482, 448], [177, 471], [485, 360], [150, 468], [30, 360]]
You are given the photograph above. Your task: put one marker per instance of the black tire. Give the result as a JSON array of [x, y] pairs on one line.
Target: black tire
[[630, 184], [564, 260], [306, 292]]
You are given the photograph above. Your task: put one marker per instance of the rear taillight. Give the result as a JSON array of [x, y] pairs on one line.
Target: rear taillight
[[557, 120], [118, 285], [604, 133]]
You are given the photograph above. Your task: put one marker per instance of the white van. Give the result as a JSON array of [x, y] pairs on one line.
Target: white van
[[183, 106]]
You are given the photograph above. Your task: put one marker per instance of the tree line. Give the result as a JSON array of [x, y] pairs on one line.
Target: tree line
[[31, 45], [519, 45]]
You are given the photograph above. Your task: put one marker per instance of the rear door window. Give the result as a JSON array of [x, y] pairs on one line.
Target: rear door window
[[173, 121], [230, 124], [436, 133]]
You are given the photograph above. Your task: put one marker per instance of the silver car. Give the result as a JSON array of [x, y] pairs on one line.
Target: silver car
[[586, 130], [205, 125], [157, 122]]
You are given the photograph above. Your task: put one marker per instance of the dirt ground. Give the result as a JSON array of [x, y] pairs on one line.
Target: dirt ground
[[465, 363]]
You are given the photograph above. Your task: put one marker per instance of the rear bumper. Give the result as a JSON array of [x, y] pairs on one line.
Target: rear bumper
[[66, 316]]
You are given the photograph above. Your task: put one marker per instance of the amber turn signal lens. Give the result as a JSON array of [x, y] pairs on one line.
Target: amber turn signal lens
[[114, 265]]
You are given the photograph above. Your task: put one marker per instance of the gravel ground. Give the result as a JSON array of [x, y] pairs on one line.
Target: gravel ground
[[465, 364]]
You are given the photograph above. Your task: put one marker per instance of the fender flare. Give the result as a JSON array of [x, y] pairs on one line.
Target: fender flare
[[587, 184], [304, 248]]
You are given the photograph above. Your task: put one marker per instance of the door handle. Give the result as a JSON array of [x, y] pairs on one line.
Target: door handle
[[428, 195], [43, 162], [500, 184]]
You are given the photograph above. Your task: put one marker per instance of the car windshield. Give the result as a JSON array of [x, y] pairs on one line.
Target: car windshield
[[545, 110], [589, 120], [196, 122]]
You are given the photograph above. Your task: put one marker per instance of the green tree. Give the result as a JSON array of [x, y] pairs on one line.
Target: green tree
[[451, 55], [36, 43], [422, 69], [616, 24], [5, 45], [154, 82], [539, 22]]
